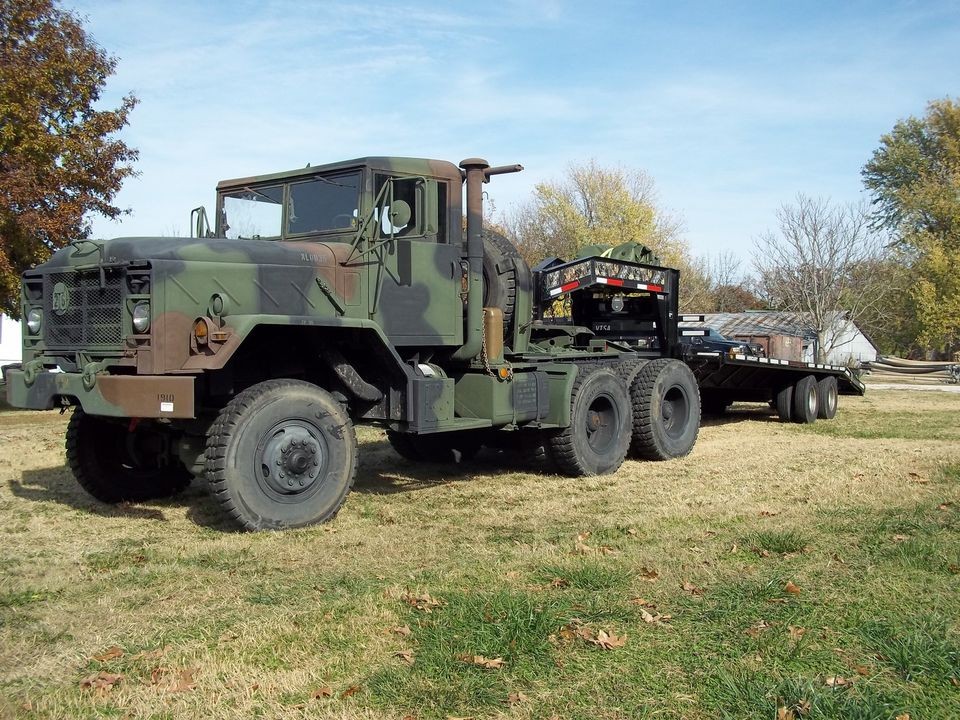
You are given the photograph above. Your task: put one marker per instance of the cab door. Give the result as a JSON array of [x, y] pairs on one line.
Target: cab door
[[415, 278]]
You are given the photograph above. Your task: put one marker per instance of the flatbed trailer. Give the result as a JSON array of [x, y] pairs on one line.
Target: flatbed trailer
[[634, 306]]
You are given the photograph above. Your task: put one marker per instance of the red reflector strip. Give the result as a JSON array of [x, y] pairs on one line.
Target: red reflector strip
[[611, 281], [569, 286], [652, 288]]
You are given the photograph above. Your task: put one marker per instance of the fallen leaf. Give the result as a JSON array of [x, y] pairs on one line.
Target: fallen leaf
[[755, 630], [609, 641], [862, 670], [649, 574], [511, 575], [836, 681], [515, 698], [559, 582], [642, 602], [734, 548], [323, 692], [839, 559], [405, 655], [109, 654], [632, 532], [796, 632], [352, 690], [484, 662], [903, 716], [945, 506], [791, 588], [763, 553], [784, 713], [654, 619], [692, 589], [403, 630], [917, 478], [955, 682], [769, 513], [953, 568], [900, 538], [421, 602], [101, 683], [184, 681]]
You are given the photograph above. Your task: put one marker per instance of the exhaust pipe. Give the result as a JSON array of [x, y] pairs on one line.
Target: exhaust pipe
[[476, 171], [473, 171]]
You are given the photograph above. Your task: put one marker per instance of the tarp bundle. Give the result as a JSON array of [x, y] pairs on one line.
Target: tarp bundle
[[628, 251], [888, 367]]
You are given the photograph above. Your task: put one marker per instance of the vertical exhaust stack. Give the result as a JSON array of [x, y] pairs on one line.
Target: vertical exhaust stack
[[476, 171]]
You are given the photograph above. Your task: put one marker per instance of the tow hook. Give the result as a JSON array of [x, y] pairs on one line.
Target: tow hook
[[90, 371], [31, 371]]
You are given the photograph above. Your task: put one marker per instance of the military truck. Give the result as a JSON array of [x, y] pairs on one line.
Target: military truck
[[325, 297]]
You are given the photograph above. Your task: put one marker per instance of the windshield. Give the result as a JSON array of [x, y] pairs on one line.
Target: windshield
[[250, 213], [316, 205]]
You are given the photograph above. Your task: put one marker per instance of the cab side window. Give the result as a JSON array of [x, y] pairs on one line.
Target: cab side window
[[405, 190], [323, 204]]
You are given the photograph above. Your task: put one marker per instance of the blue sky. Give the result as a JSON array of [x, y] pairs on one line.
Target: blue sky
[[732, 108]]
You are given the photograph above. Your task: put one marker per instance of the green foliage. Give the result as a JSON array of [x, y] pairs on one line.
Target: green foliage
[[60, 157], [915, 179]]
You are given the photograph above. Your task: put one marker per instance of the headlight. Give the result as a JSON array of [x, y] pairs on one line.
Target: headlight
[[34, 321], [141, 316]]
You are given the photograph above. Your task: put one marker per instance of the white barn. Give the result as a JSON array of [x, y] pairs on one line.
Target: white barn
[[10, 345]]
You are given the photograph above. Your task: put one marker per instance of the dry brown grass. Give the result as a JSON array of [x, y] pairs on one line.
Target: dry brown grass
[[265, 619]]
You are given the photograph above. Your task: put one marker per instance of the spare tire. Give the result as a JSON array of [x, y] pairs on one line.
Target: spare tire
[[505, 275]]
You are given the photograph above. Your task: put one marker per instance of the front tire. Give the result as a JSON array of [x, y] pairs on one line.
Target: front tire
[[596, 441], [281, 454], [666, 410], [122, 461]]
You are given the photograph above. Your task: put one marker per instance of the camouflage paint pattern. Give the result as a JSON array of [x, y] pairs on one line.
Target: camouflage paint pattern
[[407, 293]]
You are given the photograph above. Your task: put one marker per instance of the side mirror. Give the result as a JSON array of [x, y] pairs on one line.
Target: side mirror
[[400, 214]]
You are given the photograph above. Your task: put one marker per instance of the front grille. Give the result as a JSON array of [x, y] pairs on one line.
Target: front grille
[[79, 313]]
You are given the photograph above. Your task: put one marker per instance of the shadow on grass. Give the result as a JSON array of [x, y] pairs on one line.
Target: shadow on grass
[[57, 485]]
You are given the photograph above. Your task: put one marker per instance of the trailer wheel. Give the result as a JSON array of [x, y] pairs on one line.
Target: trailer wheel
[[827, 398], [805, 400], [783, 403], [666, 410], [504, 274], [117, 462], [281, 454], [596, 441]]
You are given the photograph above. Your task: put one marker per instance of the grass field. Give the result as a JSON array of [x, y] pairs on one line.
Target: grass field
[[780, 571]]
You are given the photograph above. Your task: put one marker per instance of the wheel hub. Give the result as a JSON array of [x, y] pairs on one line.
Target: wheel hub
[[291, 460], [593, 421]]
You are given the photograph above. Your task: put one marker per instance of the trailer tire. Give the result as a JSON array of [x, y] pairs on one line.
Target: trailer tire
[[666, 410], [783, 403], [281, 454], [827, 396], [115, 463], [805, 405], [596, 441], [505, 274]]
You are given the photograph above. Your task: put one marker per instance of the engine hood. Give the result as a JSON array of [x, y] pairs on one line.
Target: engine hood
[[256, 252]]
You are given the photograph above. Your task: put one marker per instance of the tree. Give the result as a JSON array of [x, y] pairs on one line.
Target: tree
[[593, 205], [59, 157], [824, 260], [720, 286], [914, 177]]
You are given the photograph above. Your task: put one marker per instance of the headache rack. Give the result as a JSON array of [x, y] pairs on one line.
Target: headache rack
[[625, 303]]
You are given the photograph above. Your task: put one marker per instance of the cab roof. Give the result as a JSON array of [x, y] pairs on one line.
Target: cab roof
[[400, 165]]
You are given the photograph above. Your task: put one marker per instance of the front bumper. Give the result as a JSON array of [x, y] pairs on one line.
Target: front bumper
[[139, 396]]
